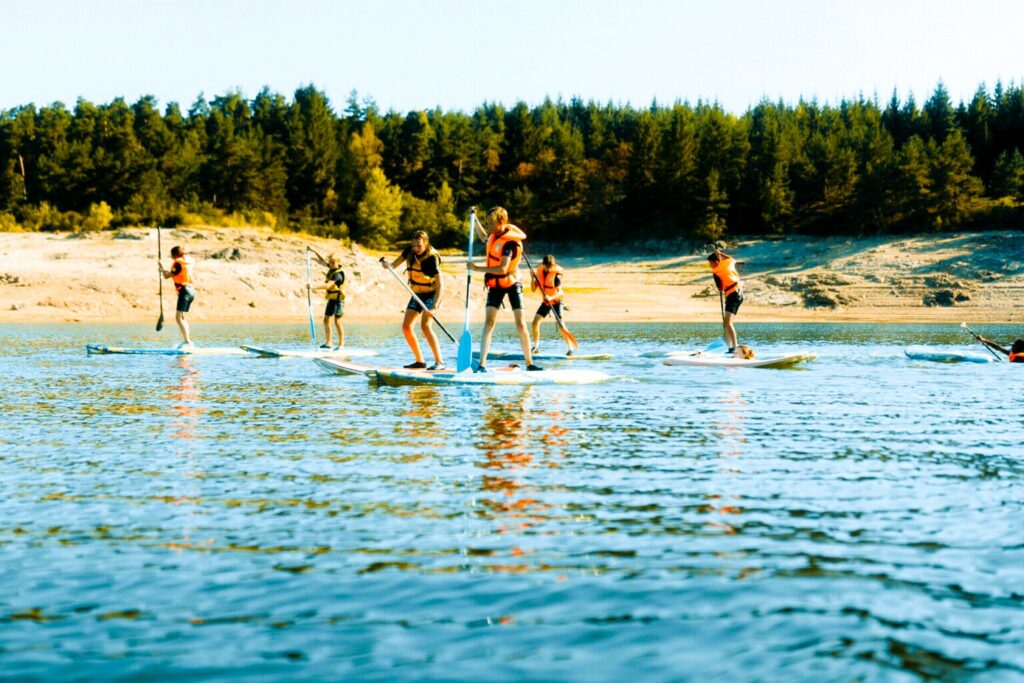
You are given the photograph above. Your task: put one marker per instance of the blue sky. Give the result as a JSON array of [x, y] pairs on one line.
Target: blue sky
[[457, 54]]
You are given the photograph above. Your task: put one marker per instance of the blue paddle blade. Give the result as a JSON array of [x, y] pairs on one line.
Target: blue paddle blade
[[716, 346], [465, 359]]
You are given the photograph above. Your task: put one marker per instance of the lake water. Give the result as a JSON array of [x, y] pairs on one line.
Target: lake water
[[212, 518]]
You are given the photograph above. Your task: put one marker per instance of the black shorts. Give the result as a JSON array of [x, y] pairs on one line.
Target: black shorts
[[495, 295], [186, 295], [545, 308], [427, 298], [334, 308], [733, 301]]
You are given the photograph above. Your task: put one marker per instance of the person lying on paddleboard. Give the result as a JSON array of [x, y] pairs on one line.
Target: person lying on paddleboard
[[1015, 352], [501, 278], [548, 279], [181, 274], [423, 266], [334, 286], [727, 280]]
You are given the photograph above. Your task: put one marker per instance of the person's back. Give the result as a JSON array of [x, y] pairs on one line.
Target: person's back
[[1017, 351]]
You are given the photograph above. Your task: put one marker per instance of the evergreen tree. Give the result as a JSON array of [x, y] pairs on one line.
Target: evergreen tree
[[1008, 180], [379, 214], [954, 186]]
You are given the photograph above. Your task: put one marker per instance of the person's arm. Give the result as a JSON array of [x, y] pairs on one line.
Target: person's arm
[[503, 267], [534, 282], [319, 259], [175, 269], [993, 345], [481, 234]]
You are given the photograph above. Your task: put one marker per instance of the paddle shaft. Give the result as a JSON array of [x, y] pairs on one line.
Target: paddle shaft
[[980, 339], [159, 253], [469, 271], [419, 301], [309, 300]]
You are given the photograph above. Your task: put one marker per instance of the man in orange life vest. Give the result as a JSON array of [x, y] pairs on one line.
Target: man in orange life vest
[[501, 277], [727, 279], [548, 280], [1015, 352], [181, 274]]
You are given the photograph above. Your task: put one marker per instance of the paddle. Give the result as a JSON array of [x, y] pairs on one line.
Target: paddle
[[569, 337], [984, 342], [309, 300], [426, 310], [159, 251], [465, 358]]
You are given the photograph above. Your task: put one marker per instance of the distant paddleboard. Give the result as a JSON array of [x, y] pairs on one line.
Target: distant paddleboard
[[309, 353], [939, 355], [701, 359], [193, 351]]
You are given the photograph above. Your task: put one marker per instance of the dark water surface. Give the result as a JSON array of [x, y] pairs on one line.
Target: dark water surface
[[241, 518]]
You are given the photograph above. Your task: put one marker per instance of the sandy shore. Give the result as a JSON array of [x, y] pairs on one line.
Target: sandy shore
[[258, 275]]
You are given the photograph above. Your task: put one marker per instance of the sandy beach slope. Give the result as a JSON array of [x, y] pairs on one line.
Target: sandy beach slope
[[259, 275]]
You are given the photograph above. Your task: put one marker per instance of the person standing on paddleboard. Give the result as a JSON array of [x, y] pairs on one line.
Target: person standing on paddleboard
[[548, 279], [727, 280], [423, 266], [334, 286], [501, 278], [181, 274]]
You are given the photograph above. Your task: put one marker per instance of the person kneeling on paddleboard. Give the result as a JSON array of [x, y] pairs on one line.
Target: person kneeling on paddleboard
[[501, 277], [181, 274], [727, 280], [548, 279], [334, 286], [424, 271]]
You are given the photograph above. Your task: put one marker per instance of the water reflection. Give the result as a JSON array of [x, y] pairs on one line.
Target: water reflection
[[185, 395], [728, 428]]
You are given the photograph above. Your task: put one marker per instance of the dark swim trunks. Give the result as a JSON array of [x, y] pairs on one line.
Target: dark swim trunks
[[186, 294], [427, 298], [733, 301], [496, 295], [334, 308], [545, 309]]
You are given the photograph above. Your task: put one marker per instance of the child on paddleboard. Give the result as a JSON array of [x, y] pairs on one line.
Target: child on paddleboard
[[727, 280], [181, 274], [423, 267], [548, 279], [334, 283], [501, 277]]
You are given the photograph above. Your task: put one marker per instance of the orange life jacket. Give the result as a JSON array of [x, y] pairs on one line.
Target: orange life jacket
[[1017, 357], [726, 277], [546, 277], [418, 281], [184, 275], [495, 247]]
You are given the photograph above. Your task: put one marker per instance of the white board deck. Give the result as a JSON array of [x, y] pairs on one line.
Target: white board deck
[[699, 359], [264, 352], [941, 355], [100, 349]]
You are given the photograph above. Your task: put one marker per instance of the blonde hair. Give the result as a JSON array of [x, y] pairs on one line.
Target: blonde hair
[[421, 233], [498, 213], [334, 258]]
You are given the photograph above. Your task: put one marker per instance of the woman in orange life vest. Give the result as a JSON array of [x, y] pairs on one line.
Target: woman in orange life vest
[[723, 269], [424, 271], [1015, 352], [501, 277], [334, 286], [181, 274], [549, 280]]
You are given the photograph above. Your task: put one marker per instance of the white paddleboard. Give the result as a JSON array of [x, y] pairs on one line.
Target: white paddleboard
[[700, 359], [511, 375], [308, 353], [940, 355], [193, 351], [517, 355]]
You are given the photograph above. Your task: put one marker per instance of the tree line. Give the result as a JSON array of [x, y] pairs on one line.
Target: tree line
[[565, 170]]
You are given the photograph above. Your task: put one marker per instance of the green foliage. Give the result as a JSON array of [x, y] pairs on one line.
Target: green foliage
[[98, 218], [563, 169]]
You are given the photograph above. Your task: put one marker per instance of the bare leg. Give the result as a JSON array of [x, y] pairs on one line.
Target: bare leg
[[490, 316], [524, 335], [536, 330], [410, 336], [341, 332], [431, 337], [730, 330], [327, 330], [179, 317]]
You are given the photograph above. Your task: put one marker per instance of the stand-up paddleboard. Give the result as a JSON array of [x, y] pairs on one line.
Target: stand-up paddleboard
[[720, 360], [193, 351], [938, 355], [515, 355], [511, 375], [308, 353]]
